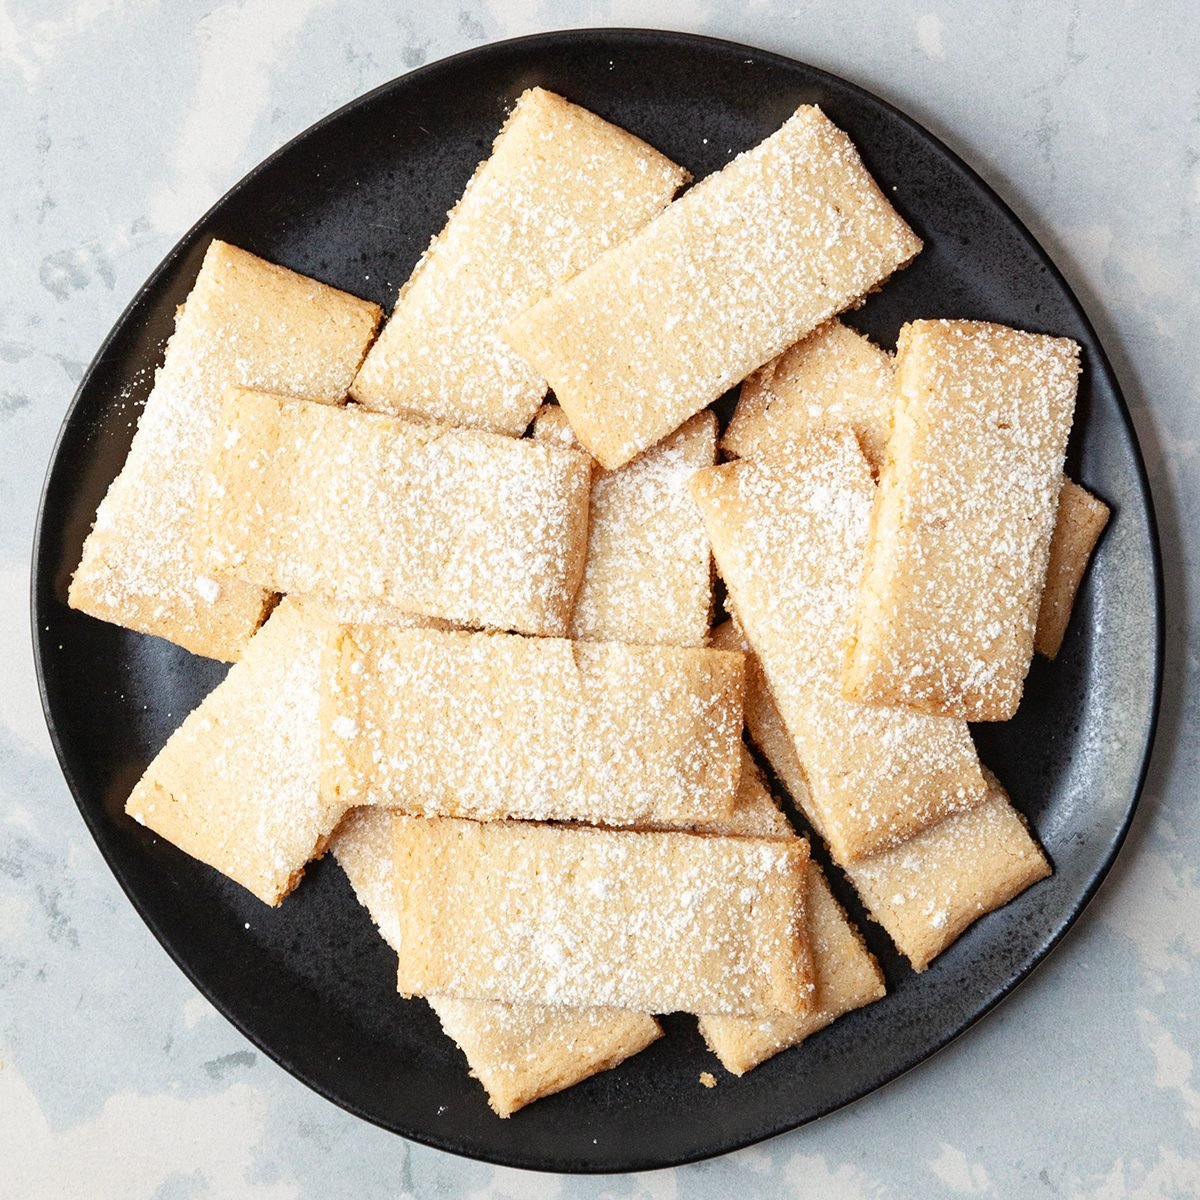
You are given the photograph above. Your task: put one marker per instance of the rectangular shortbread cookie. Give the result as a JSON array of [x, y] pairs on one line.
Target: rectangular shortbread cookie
[[561, 186], [472, 527], [236, 785], [834, 376], [658, 922], [846, 976], [496, 725], [730, 275], [245, 322], [1078, 524], [518, 1052], [648, 574], [788, 537], [926, 891], [960, 533]]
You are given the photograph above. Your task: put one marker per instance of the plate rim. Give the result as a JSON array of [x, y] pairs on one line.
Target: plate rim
[[41, 570]]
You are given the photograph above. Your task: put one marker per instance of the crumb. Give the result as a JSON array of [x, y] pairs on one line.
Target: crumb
[[708, 1079]]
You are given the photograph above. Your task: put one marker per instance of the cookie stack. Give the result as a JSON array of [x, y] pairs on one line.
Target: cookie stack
[[491, 687]]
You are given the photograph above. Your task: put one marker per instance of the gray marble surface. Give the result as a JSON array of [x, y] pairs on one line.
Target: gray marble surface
[[120, 122]]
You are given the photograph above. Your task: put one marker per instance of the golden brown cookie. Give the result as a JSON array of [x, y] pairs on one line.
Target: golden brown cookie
[[834, 376], [472, 527], [927, 890], [648, 574], [846, 976], [960, 533], [496, 725], [246, 322], [236, 784], [518, 1052], [1078, 523], [657, 922]]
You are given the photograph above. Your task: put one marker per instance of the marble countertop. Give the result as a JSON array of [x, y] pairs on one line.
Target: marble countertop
[[121, 121]]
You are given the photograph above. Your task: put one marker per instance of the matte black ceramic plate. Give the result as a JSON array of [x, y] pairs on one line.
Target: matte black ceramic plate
[[354, 201]]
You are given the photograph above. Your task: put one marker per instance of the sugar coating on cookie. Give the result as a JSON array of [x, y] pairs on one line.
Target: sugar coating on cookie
[[561, 186], [518, 1052], [739, 268], [845, 973], [926, 891], [246, 322], [237, 784], [471, 527], [960, 533], [659, 922], [648, 573], [788, 537], [1078, 523], [496, 725], [834, 376]]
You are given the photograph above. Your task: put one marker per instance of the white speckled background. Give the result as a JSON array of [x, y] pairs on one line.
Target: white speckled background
[[120, 122]]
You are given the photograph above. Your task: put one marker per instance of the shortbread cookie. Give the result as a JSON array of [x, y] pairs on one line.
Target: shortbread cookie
[[245, 322], [522, 1052], [788, 537], [236, 785], [844, 970], [730, 275], [656, 922], [846, 976], [1078, 524], [648, 575], [471, 527], [496, 725], [926, 891], [960, 533], [561, 186], [518, 1052], [834, 376]]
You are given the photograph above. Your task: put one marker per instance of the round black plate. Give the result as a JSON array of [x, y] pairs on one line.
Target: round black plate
[[354, 201]]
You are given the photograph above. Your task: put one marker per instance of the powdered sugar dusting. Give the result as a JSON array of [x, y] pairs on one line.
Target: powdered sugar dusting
[[236, 784], [834, 376], [962, 867], [846, 976], [519, 1052], [246, 322], [648, 574]]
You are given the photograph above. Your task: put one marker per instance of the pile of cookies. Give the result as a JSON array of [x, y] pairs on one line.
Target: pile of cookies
[[491, 687]]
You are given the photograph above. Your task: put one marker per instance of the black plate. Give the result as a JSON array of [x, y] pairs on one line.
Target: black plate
[[354, 201]]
